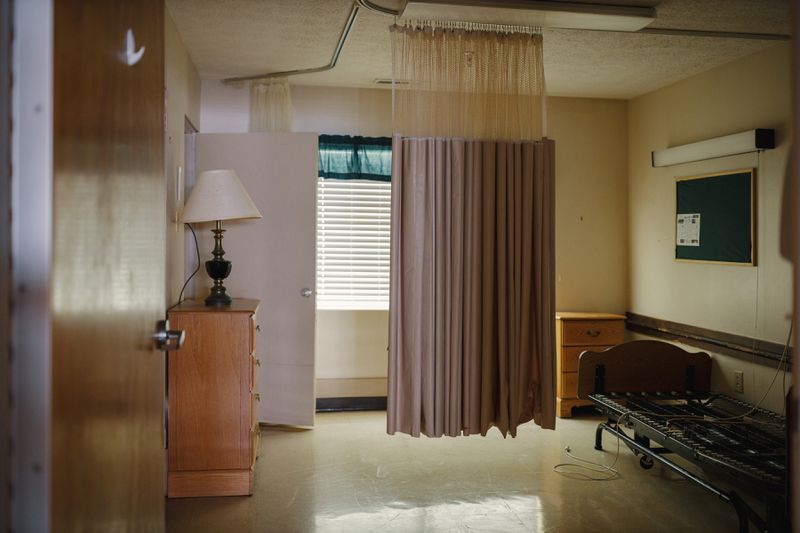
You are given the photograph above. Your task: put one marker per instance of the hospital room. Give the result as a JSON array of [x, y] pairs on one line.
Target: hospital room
[[399, 265]]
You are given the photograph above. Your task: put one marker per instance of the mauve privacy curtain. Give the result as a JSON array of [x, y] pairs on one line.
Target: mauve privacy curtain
[[472, 300]]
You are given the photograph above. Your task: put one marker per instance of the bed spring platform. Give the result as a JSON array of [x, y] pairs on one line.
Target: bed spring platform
[[657, 401]]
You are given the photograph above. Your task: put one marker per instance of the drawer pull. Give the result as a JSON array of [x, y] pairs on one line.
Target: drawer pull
[[257, 397], [258, 362], [593, 334], [258, 327]]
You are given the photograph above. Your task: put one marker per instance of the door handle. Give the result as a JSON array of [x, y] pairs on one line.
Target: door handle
[[306, 292], [166, 339]]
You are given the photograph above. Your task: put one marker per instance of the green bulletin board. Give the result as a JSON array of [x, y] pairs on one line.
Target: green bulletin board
[[714, 217]]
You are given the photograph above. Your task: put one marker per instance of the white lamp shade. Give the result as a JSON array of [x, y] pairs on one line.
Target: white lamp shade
[[218, 195]]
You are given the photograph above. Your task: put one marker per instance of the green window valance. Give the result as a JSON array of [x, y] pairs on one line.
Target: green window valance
[[364, 158]]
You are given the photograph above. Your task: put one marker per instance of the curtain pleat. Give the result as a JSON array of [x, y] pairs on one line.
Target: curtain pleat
[[543, 374], [472, 292], [489, 306], [472, 362]]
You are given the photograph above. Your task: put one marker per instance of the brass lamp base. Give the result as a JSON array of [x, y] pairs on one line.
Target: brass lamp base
[[218, 269]]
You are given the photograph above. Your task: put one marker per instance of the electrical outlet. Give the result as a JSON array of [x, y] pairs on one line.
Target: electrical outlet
[[738, 381]]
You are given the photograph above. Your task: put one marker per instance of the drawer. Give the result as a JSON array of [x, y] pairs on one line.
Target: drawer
[[255, 363], [255, 399], [568, 385], [253, 329], [571, 354], [592, 332], [255, 443]]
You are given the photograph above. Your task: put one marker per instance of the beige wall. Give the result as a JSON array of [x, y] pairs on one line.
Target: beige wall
[[351, 353], [337, 110], [751, 301], [224, 108], [352, 345], [591, 203], [183, 100], [341, 110]]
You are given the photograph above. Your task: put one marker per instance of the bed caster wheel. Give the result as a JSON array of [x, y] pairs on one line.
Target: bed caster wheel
[[646, 462]]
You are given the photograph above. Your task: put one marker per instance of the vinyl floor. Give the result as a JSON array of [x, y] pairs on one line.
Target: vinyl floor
[[348, 475]]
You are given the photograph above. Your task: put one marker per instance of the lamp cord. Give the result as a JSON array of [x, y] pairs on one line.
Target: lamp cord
[[196, 270]]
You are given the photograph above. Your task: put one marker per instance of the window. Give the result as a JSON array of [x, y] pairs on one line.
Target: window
[[353, 244], [353, 221]]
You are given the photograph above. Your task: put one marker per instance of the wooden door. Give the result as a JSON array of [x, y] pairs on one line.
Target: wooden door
[[107, 454], [794, 400], [274, 259]]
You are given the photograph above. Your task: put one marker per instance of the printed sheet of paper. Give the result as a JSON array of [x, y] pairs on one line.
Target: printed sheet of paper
[[688, 229]]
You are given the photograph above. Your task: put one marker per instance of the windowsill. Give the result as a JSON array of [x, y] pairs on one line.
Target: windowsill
[[352, 306]]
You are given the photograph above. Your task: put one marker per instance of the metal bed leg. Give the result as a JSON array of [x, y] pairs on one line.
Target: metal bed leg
[[598, 436], [741, 511]]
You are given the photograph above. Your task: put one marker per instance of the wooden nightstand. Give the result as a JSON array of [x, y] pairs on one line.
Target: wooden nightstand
[[213, 433], [576, 332]]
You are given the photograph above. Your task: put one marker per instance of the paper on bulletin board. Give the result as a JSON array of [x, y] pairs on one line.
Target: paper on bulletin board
[[688, 229]]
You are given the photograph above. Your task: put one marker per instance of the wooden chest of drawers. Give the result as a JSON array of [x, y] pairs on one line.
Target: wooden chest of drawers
[[576, 332], [213, 434]]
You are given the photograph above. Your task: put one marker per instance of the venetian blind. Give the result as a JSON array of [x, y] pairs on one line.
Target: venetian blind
[[353, 218]]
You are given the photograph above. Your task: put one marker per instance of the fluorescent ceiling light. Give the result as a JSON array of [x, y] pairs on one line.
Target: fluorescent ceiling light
[[738, 143], [543, 13]]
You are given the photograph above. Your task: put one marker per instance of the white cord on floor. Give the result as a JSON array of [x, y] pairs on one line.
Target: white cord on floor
[[608, 472]]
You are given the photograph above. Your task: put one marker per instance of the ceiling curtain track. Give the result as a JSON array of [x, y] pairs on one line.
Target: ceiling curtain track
[[473, 81]]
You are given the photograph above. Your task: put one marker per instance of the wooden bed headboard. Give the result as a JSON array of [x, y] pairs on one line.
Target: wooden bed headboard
[[643, 366]]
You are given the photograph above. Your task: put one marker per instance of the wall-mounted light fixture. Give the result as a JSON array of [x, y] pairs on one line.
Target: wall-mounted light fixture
[[738, 143]]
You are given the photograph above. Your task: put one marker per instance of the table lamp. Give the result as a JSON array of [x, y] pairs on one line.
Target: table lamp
[[218, 195]]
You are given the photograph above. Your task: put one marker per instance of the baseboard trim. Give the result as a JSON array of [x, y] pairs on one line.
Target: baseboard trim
[[351, 387], [364, 403]]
